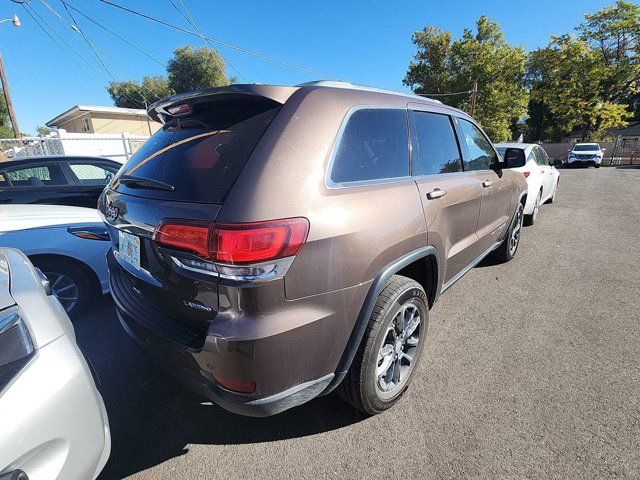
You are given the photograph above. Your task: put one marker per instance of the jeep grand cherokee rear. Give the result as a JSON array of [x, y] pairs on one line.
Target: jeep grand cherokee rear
[[270, 243]]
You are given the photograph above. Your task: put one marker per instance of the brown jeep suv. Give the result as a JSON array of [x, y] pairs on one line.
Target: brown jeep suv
[[272, 243]]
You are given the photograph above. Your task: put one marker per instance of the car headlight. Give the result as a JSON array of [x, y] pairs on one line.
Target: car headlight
[[16, 347]]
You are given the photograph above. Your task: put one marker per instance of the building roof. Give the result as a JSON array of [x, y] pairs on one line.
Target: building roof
[[631, 130], [76, 110]]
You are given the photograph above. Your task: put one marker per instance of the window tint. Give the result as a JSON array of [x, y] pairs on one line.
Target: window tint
[[481, 154], [88, 174], [435, 146], [373, 146], [36, 176], [202, 154]]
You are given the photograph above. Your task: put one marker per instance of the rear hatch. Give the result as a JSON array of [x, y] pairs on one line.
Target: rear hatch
[[184, 171]]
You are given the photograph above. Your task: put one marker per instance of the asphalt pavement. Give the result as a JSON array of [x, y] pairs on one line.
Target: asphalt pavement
[[531, 370]]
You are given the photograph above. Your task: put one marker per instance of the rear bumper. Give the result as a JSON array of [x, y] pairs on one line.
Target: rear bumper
[[291, 353], [186, 371]]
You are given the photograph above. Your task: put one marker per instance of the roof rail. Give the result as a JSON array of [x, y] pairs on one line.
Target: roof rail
[[354, 86]]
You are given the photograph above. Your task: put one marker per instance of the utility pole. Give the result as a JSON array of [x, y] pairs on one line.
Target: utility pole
[[5, 84], [7, 97], [474, 98]]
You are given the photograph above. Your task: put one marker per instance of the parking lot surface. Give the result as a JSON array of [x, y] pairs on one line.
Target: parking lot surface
[[532, 370]]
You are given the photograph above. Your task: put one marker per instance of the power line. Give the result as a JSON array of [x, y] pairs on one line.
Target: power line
[[31, 11], [129, 41], [61, 48], [76, 28], [219, 42], [193, 23], [114, 31]]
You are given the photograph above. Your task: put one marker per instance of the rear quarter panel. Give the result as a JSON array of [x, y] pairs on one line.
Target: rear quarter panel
[[354, 231]]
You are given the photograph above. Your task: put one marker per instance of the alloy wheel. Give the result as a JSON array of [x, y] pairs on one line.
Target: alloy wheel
[[515, 233], [400, 344], [64, 288]]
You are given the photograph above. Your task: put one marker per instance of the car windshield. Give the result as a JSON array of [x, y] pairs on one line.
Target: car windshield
[[586, 147]]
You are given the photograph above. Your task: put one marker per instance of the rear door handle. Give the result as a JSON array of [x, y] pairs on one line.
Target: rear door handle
[[436, 193], [487, 183]]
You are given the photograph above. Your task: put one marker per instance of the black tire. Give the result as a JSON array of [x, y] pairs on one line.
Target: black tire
[[362, 386], [54, 268], [597, 165], [531, 219], [505, 252]]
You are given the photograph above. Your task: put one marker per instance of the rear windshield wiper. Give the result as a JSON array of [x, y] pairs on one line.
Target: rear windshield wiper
[[132, 181]]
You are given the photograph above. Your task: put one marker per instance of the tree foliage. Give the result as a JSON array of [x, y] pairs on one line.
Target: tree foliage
[[566, 84], [189, 69], [441, 65], [196, 68], [6, 130], [587, 82], [132, 94]]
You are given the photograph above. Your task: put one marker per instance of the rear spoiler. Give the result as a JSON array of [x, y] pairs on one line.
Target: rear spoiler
[[160, 111]]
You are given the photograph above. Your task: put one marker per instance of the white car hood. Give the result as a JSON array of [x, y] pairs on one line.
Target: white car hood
[[22, 217]]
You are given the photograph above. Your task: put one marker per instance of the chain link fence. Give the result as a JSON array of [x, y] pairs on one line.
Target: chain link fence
[[116, 147]]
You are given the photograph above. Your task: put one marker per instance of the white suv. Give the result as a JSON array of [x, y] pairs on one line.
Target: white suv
[[589, 154]]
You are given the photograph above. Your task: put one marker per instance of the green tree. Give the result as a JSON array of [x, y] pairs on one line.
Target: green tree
[[189, 69], [132, 94], [196, 68], [567, 92], [6, 131], [43, 131], [441, 65], [614, 33]]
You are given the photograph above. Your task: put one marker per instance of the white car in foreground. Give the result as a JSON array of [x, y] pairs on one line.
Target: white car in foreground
[[542, 177], [53, 423], [67, 243], [589, 154]]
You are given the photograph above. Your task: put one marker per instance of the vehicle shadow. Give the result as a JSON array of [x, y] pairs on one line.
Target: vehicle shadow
[[154, 419]]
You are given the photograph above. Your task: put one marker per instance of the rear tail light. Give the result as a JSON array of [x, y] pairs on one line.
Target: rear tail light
[[257, 242], [235, 248], [526, 174]]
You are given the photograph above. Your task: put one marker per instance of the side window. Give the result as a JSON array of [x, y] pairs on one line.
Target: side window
[[373, 146], [543, 159], [481, 153], [435, 145], [36, 176], [4, 181], [532, 156], [88, 174]]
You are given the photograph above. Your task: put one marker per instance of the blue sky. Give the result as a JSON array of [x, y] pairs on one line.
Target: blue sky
[[363, 42]]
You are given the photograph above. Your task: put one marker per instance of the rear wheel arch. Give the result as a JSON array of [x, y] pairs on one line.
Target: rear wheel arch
[[43, 258], [408, 263]]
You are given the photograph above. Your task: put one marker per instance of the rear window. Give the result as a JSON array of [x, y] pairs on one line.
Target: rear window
[[202, 154]]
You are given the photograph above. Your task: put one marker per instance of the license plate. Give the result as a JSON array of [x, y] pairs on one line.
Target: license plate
[[129, 249]]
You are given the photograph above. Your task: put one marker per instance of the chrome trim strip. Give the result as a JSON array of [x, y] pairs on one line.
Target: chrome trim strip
[[460, 274]]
